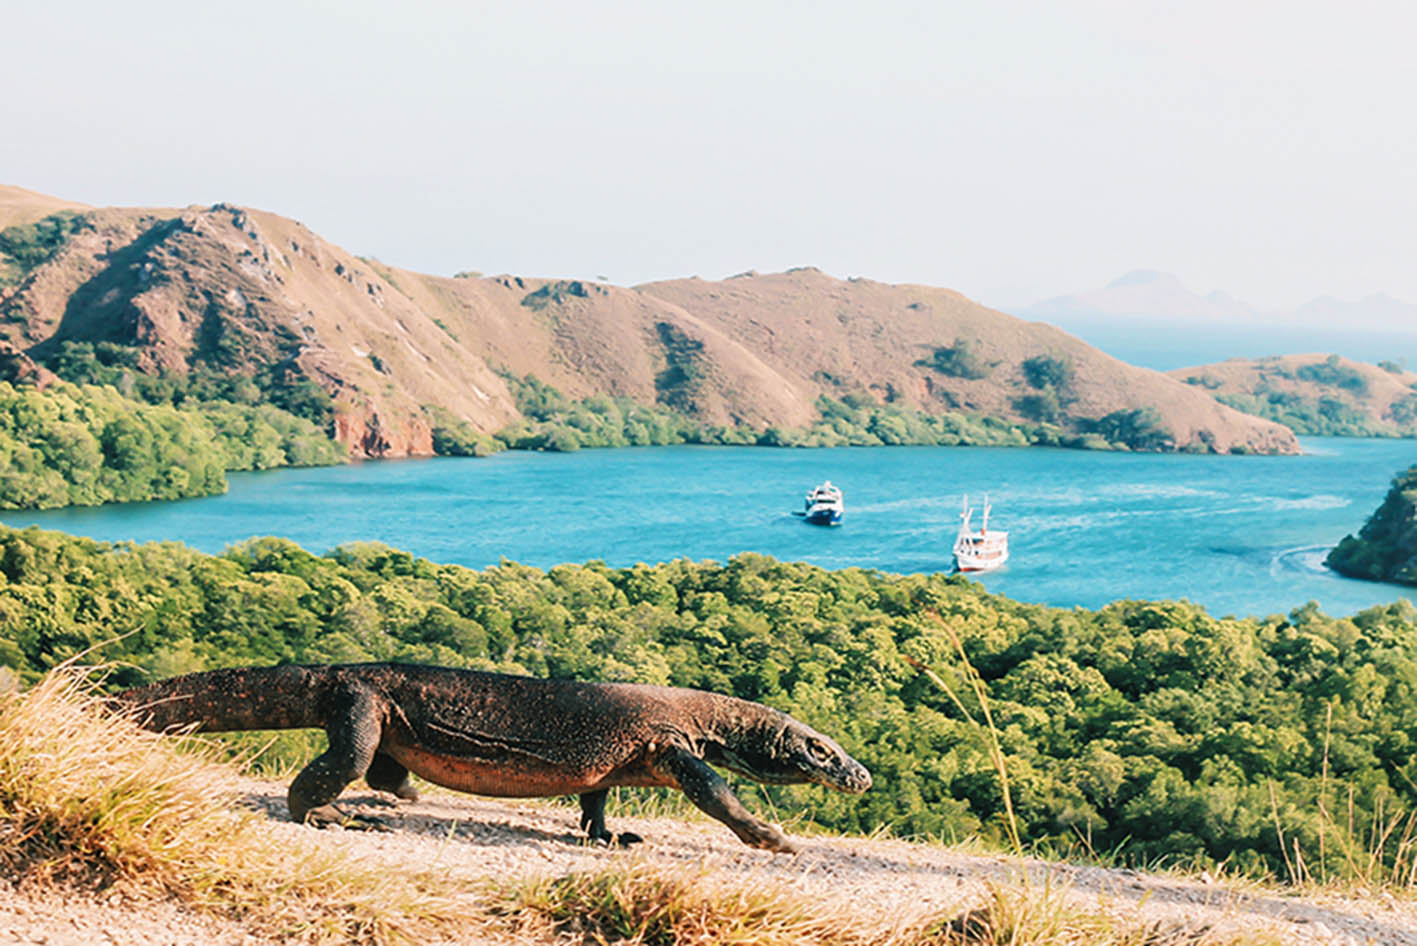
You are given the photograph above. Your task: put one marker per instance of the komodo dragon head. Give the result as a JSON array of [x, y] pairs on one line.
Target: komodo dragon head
[[779, 750]]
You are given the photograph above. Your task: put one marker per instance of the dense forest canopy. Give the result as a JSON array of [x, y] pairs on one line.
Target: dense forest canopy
[[1149, 729]]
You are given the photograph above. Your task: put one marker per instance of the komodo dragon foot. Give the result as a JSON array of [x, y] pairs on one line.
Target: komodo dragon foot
[[328, 816]]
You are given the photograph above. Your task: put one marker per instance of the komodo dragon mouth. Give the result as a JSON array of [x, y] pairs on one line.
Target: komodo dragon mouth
[[795, 753]]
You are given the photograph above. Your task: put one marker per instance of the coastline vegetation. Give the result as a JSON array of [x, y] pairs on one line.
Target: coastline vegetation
[[118, 433], [1335, 412], [1150, 731], [1325, 415], [1385, 549], [553, 421], [83, 445]]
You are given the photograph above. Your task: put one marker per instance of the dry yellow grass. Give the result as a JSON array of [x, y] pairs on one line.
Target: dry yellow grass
[[644, 906], [89, 799]]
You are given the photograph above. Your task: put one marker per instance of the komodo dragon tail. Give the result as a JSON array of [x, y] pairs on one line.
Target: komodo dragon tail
[[287, 697]]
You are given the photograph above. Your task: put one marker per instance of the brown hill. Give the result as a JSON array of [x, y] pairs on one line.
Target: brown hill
[[240, 290], [833, 336], [1315, 393], [19, 206]]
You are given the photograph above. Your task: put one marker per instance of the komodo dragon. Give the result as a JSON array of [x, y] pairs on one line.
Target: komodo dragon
[[510, 736]]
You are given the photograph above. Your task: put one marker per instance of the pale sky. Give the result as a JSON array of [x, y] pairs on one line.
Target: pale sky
[[1010, 150]]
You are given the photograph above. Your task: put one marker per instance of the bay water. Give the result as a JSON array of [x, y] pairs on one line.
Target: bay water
[[1241, 535]]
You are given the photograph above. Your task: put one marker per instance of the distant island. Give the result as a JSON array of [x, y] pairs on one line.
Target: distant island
[[1317, 394], [214, 328]]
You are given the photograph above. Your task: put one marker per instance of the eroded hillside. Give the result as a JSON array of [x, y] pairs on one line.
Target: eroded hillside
[[242, 292]]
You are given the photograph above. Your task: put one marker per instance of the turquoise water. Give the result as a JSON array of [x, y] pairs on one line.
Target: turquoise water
[[1241, 535]]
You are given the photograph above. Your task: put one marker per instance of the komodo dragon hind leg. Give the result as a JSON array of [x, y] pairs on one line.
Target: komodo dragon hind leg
[[707, 789], [353, 729], [593, 821], [386, 775]]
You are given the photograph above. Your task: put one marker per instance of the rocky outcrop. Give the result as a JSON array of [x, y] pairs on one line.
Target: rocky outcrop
[[239, 292], [18, 368], [1385, 549]]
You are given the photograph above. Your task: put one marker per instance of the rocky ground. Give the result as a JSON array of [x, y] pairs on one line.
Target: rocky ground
[[480, 838]]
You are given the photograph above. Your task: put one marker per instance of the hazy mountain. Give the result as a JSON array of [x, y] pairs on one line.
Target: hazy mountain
[[1143, 294], [1151, 318]]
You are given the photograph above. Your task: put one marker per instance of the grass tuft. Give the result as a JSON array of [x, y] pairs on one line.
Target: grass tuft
[[644, 906], [87, 799], [1015, 916]]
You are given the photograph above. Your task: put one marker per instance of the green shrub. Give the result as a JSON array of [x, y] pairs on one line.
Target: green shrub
[[455, 437], [1045, 371], [25, 247], [958, 361], [1331, 372], [1042, 408], [1137, 429]]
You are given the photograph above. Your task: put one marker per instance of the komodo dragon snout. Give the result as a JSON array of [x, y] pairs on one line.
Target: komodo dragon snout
[[787, 752]]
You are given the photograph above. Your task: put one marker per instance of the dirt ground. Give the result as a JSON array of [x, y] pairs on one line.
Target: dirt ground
[[479, 838]]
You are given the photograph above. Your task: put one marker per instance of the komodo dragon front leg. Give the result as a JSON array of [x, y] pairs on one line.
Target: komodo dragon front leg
[[707, 789], [354, 726]]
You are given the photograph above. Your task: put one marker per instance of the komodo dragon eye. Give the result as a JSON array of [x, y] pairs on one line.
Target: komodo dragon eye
[[819, 750]]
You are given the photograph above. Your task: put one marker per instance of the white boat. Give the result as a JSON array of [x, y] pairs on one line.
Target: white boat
[[823, 505], [979, 551]]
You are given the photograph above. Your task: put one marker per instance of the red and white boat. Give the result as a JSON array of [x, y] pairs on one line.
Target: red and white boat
[[979, 551]]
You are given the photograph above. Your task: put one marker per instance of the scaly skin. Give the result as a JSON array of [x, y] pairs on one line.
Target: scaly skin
[[509, 736]]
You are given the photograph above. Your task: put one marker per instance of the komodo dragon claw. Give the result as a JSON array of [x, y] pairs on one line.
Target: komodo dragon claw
[[328, 816]]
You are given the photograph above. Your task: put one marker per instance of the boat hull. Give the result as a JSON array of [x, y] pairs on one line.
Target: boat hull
[[967, 567], [822, 517]]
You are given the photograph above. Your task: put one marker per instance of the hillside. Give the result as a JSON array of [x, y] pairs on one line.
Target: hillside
[[243, 292], [1151, 730], [19, 206], [1315, 393], [127, 837]]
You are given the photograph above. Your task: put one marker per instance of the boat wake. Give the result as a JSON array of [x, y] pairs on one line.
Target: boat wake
[[1321, 501], [1305, 559]]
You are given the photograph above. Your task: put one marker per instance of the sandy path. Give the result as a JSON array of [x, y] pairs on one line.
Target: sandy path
[[479, 838]]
